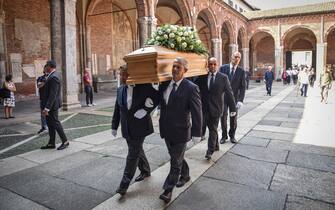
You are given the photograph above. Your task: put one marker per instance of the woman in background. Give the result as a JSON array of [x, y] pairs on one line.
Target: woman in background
[[9, 103]]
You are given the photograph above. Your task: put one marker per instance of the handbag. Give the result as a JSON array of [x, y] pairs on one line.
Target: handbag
[[4, 93]]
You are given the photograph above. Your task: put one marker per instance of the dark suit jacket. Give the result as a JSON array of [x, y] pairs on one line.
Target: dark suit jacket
[[131, 127], [52, 97], [237, 83], [175, 117], [212, 99], [269, 77]]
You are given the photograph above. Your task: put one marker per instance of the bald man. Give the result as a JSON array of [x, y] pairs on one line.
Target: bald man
[[213, 87], [236, 76]]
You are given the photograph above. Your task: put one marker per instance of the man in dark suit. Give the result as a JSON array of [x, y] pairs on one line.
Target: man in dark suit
[[133, 106], [51, 104], [268, 78], [213, 87], [180, 100], [236, 77]]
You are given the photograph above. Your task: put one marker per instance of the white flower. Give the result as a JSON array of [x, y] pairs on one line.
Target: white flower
[[191, 47], [180, 33], [178, 39], [183, 38], [168, 30], [198, 41], [185, 33], [172, 45], [173, 28], [171, 35], [165, 36], [184, 44], [158, 38], [160, 32]]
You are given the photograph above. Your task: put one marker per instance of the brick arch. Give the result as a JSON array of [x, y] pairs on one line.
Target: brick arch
[[330, 29], [293, 28], [209, 14], [244, 37], [183, 10], [141, 5], [271, 33], [230, 27]]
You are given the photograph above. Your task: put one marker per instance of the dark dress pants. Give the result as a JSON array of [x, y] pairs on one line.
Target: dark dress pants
[[55, 125], [178, 165], [268, 87], [233, 123], [136, 157], [212, 124]]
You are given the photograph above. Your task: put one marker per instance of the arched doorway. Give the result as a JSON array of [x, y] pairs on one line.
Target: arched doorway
[[204, 25], [112, 31], [299, 48], [172, 12], [331, 48], [226, 36], [262, 53]]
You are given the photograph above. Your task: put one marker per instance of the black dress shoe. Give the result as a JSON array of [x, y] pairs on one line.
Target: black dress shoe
[[223, 140], [48, 146], [166, 196], [141, 177], [233, 140], [121, 191], [208, 155], [182, 181], [41, 130], [217, 148], [63, 146]]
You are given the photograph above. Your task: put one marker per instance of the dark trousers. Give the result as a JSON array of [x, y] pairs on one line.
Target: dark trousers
[[268, 87], [135, 157], [89, 94], [233, 123], [53, 126], [303, 90], [212, 124], [178, 165], [247, 84]]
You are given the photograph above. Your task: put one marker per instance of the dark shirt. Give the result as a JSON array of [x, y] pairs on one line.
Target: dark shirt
[[41, 90]]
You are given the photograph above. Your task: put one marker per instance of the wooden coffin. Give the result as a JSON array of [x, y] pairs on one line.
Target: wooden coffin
[[153, 64]]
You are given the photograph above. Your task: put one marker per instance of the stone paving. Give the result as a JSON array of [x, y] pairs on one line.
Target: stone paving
[[265, 170]]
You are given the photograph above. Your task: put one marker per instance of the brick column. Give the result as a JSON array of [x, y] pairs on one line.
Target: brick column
[[2, 48], [146, 26], [232, 48], [217, 49], [245, 57], [321, 56], [279, 61], [63, 48]]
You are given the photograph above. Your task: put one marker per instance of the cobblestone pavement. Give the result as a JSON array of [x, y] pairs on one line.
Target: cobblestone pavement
[[265, 170]]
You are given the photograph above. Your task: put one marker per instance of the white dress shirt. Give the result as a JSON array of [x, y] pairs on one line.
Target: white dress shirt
[[169, 89], [210, 76], [130, 95]]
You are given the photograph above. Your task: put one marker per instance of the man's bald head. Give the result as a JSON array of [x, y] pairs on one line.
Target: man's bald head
[[212, 64], [236, 58]]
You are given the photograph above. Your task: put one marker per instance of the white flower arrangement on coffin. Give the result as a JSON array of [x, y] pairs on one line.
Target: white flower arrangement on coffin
[[179, 38]]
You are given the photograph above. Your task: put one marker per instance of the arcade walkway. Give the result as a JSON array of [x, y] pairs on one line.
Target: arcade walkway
[[269, 168]]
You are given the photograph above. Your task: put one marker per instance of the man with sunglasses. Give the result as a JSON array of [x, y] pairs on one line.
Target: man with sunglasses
[[213, 87], [236, 76]]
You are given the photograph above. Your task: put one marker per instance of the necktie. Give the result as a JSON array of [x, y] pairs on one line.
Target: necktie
[[173, 91], [231, 74], [211, 82], [124, 96]]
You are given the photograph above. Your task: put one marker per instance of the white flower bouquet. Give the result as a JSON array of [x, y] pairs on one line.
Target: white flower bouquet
[[179, 38]]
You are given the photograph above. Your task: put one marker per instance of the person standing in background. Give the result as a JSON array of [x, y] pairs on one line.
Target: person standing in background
[[41, 91], [88, 87], [325, 83], [9, 103], [268, 78]]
